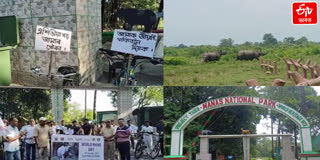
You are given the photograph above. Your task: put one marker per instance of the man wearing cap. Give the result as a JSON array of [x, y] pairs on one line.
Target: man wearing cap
[[109, 144], [30, 142], [41, 134], [11, 146]]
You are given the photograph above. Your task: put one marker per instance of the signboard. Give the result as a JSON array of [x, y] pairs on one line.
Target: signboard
[[134, 42], [77, 147], [241, 100], [57, 104], [49, 39], [304, 13]]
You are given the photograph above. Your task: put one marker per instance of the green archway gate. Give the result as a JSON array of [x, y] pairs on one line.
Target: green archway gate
[[295, 116]]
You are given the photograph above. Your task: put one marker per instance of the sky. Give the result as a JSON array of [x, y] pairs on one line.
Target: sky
[[205, 22], [103, 101]]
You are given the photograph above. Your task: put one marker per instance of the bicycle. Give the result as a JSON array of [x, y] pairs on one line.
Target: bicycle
[[68, 75], [126, 77], [141, 147], [157, 148]]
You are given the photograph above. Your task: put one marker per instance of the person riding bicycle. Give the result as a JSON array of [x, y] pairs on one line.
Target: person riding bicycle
[[147, 131]]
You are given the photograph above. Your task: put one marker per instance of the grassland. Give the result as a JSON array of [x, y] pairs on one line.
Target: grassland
[[184, 66]]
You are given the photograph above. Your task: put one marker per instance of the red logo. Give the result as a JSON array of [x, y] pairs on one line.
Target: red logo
[[304, 13]]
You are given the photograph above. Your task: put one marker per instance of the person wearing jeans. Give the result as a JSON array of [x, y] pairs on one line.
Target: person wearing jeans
[[30, 142], [11, 144], [123, 142]]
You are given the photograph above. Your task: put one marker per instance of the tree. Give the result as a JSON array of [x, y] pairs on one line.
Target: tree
[[303, 99], [142, 96], [289, 40], [247, 43], [226, 42], [111, 6], [268, 39], [302, 40], [182, 46]]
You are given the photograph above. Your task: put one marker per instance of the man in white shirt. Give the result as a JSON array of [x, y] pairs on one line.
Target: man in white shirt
[[30, 142], [133, 129], [53, 128], [11, 146], [147, 135]]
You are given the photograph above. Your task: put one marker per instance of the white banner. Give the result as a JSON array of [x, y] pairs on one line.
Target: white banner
[[49, 39], [77, 147], [134, 42]]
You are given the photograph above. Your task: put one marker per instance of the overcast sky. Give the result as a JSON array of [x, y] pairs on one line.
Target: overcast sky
[[103, 100], [199, 22]]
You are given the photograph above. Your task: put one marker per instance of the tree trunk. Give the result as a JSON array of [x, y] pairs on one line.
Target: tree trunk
[[279, 128], [94, 104], [304, 108], [295, 142], [272, 150]]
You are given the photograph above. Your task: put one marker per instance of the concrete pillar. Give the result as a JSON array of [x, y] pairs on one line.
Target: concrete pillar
[[81, 17], [204, 149], [57, 104], [246, 148], [286, 152], [124, 102]]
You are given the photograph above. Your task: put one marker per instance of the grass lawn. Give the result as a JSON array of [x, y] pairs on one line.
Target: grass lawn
[[225, 73]]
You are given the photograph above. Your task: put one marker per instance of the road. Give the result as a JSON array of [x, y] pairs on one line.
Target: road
[[143, 157]]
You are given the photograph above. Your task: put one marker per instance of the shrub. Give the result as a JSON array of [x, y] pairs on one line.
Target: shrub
[[175, 60]]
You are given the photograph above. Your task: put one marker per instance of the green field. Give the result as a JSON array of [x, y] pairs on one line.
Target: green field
[[184, 66]]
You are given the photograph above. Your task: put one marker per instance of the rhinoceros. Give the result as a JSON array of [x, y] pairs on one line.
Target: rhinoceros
[[249, 54], [212, 56]]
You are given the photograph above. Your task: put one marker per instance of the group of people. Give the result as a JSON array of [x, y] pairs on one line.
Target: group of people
[[118, 139], [121, 138]]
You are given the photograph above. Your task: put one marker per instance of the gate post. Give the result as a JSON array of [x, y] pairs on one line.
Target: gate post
[[246, 148], [204, 149]]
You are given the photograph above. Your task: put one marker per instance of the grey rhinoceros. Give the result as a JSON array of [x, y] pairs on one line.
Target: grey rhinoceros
[[249, 54], [212, 56]]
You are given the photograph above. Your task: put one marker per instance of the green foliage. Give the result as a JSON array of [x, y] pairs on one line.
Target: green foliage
[[175, 60], [268, 39], [226, 42], [142, 96], [24, 103], [111, 6]]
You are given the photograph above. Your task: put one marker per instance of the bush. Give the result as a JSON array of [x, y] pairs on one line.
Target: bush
[[175, 60], [315, 51]]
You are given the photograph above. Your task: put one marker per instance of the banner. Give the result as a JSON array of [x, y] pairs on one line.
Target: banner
[[49, 39], [77, 147], [134, 42]]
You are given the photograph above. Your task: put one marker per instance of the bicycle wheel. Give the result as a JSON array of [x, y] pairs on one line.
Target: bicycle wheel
[[138, 151], [155, 151]]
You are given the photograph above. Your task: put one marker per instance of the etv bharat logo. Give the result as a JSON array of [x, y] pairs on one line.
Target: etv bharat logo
[[304, 13]]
